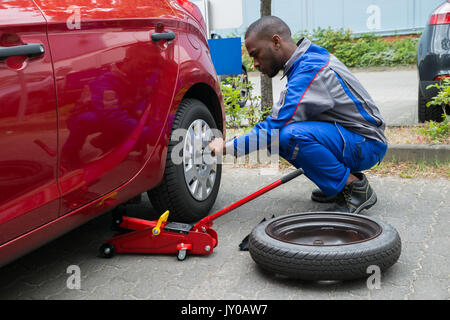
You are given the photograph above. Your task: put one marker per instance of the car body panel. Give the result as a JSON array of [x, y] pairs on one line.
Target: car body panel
[[29, 195], [86, 44], [196, 66], [108, 82], [433, 56]]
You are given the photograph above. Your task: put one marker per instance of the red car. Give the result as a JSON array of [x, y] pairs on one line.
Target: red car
[[91, 96]]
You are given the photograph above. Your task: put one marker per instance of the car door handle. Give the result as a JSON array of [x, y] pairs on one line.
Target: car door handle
[[31, 50], [163, 36]]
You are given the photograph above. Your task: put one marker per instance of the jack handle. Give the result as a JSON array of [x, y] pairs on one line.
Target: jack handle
[[207, 222]]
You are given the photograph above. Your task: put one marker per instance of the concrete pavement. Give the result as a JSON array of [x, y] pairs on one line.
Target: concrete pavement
[[418, 208], [394, 90]]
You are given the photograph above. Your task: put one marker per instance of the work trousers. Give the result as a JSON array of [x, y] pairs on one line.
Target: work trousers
[[327, 152]]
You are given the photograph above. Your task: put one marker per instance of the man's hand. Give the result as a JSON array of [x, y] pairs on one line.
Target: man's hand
[[217, 146]]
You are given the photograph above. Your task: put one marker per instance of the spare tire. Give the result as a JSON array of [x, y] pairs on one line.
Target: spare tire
[[324, 245]]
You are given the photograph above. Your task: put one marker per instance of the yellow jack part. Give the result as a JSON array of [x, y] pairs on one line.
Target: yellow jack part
[[156, 230], [106, 198]]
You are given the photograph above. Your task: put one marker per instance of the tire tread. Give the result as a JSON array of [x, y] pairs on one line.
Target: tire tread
[[308, 263]]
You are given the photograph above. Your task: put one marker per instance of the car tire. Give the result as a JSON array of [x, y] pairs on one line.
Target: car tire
[[311, 246], [176, 193], [431, 113], [244, 91]]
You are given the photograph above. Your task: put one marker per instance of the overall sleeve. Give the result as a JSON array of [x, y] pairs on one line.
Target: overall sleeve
[[289, 104]]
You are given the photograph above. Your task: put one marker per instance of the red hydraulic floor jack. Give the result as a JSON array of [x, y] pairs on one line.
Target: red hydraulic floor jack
[[163, 237]]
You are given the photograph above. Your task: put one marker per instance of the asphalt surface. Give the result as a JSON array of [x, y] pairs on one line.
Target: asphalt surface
[[394, 90], [419, 209]]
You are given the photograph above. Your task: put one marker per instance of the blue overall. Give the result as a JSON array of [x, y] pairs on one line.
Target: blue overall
[[328, 152], [325, 121]]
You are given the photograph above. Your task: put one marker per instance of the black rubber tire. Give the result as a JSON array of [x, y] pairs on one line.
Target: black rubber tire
[[244, 76], [243, 79], [172, 194], [310, 262], [431, 113]]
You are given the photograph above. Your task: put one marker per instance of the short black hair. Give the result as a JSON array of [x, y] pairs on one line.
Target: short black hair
[[268, 26]]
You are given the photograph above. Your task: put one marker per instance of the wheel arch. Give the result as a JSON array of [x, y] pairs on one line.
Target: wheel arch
[[204, 93]]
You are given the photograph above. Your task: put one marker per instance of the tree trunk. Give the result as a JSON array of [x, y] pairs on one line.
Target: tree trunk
[[266, 82], [266, 8]]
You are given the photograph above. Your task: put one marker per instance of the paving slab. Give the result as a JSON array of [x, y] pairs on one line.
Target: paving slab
[[418, 208]]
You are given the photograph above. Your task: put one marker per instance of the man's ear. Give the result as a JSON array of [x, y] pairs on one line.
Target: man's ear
[[276, 40]]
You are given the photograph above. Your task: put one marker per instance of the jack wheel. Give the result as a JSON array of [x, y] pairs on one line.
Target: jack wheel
[[107, 250], [181, 255]]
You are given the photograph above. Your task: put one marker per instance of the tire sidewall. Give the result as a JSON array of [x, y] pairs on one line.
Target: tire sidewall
[[196, 111], [385, 241]]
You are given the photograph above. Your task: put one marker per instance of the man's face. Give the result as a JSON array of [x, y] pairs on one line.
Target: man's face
[[266, 57]]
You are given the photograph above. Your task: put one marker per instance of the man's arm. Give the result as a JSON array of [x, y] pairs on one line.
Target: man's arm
[[266, 131]]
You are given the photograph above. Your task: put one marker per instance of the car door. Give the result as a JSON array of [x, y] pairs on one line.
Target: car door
[[114, 81], [29, 195]]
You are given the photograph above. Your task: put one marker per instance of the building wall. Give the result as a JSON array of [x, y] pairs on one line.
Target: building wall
[[384, 17]]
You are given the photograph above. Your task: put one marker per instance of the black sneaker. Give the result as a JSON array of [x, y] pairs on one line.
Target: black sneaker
[[355, 197], [318, 196]]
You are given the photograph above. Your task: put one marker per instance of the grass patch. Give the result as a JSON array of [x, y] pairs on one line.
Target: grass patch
[[413, 135], [411, 170], [405, 170]]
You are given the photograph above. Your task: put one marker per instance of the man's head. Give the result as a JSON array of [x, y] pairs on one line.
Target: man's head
[[269, 43]]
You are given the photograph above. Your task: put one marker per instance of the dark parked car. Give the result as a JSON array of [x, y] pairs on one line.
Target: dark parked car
[[433, 60], [91, 97]]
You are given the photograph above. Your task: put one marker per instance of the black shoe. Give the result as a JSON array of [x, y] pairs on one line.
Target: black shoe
[[355, 197], [318, 196]]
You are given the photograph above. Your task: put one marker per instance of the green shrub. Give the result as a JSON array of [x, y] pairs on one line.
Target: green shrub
[[252, 112], [364, 51], [231, 97], [437, 131]]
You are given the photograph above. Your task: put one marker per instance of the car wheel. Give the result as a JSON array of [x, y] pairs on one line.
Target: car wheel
[[431, 113], [190, 184], [324, 245], [243, 87]]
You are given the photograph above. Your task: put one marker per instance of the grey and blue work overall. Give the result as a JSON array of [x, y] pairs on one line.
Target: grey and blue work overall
[[325, 121]]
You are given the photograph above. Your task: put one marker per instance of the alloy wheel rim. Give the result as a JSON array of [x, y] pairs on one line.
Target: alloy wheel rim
[[199, 175]]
